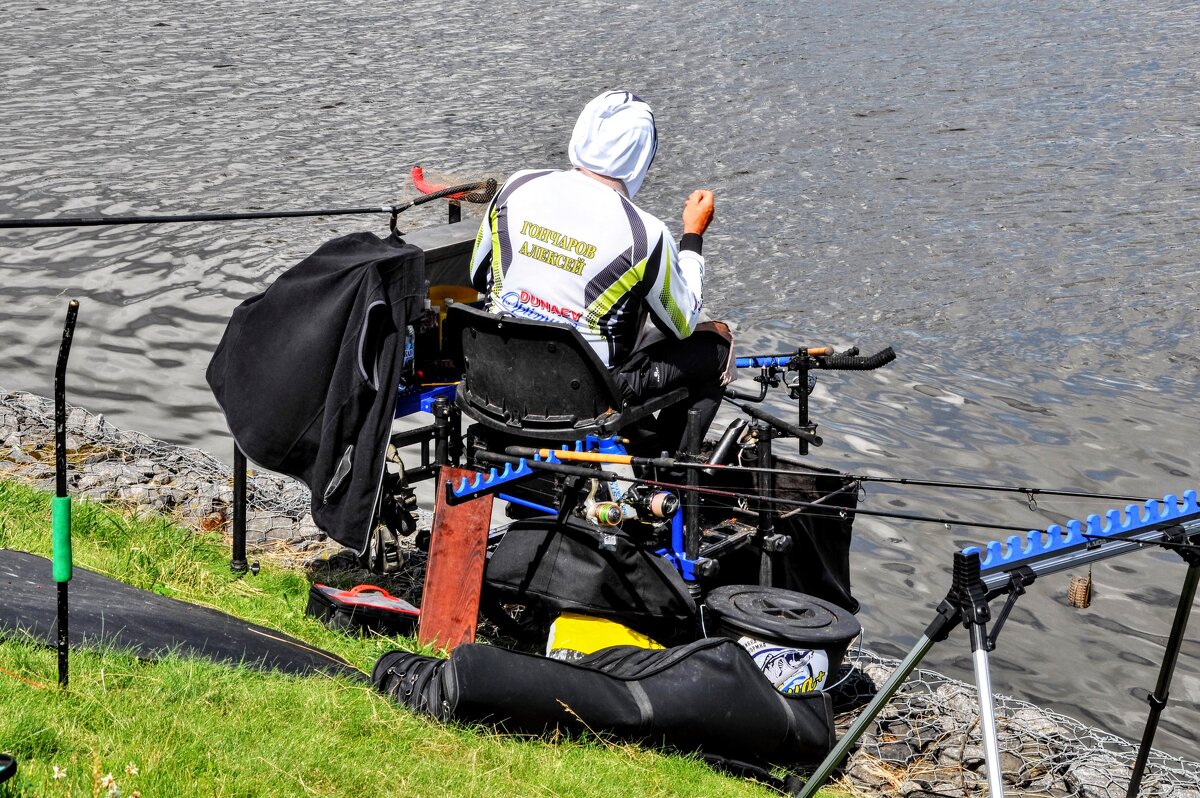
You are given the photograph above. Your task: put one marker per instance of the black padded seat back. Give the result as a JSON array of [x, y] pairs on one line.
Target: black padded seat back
[[531, 377]]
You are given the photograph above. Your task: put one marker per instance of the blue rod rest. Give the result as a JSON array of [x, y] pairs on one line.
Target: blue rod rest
[[493, 479], [410, 400], [675, 553], [1056, 539], [541, 508]]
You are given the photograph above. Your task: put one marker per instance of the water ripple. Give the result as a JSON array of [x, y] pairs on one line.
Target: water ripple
[[1005, 193]]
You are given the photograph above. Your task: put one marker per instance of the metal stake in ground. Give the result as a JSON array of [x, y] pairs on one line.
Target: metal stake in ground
[[60, 506]]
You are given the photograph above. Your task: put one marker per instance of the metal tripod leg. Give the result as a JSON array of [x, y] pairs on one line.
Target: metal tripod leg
[[1158, 699], [987, 709], [967, 599], [864, 719]]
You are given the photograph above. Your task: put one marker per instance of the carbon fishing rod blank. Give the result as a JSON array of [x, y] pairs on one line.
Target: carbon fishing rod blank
[[471, 192]]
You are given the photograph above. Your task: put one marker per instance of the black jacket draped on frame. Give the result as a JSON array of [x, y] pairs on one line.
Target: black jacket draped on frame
[[307, 371]]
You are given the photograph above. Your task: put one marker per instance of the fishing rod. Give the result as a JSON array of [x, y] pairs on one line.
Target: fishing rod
[[803, 361], [669, 462], [477, 192], [1029, 491], [1191, 549], [806, 358], [780, 361], [746, 497], [512, 456]]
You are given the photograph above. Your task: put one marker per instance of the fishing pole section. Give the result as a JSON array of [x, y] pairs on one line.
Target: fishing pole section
[[478, 192]]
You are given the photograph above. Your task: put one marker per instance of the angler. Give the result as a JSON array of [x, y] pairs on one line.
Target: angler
[[634, 293]]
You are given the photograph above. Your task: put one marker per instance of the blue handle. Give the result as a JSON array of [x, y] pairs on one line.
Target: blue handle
[[763, 361]]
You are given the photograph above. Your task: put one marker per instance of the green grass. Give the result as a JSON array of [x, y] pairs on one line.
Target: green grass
[[181, 727]]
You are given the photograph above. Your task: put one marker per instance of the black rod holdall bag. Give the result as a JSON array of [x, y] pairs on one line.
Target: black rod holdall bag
[[707, 697]]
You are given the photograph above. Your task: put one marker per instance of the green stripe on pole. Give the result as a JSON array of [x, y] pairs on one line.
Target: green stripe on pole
[[60, 526]]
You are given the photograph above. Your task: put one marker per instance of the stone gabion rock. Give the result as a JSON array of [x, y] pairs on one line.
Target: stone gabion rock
[[927, 742], [144, 475]]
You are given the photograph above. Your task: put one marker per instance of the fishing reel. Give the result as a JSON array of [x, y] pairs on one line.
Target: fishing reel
[[638, 503], [798, 384], [774, 376], [648, 504]]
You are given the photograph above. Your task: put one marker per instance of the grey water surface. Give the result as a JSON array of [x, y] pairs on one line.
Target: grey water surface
[[1006, 192]]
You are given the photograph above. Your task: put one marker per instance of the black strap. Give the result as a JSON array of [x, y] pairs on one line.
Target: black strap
[[645, 709]]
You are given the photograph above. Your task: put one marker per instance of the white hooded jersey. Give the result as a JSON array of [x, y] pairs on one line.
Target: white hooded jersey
[[560, 246]]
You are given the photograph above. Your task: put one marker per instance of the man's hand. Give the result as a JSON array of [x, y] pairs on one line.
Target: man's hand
[[698, 211]]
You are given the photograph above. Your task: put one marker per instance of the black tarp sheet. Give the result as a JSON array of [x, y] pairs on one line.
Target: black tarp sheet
[[105, 613]]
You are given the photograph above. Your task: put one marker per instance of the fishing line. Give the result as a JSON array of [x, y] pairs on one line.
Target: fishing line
[[664, 462], [843, 489], [744, 497], [986, 487], [841, 510], [1165, 544]]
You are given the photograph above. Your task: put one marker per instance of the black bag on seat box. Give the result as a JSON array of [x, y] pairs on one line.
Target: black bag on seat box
[[818, 563], [707, 696], [568, 567], [362, 608]]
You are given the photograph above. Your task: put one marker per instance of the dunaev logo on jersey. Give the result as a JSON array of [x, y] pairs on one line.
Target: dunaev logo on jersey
[[522, 303]]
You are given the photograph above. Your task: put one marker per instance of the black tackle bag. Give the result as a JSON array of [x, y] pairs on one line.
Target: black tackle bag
[[578, 567], [707, 697], [365, 609], [818, 563], [307, 371]]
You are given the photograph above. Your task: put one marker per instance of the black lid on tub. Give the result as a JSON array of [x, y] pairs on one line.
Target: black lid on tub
[[781, 616]]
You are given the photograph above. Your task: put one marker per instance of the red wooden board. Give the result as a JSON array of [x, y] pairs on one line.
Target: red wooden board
[[454, 572]]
